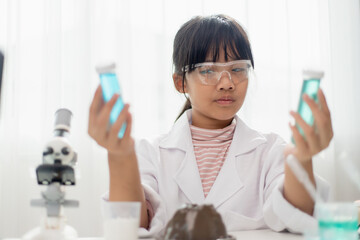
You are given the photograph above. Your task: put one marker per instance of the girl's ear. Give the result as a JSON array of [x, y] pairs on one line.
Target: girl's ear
[[178, 82]]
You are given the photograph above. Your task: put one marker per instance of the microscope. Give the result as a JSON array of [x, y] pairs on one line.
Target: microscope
[[55, 173]]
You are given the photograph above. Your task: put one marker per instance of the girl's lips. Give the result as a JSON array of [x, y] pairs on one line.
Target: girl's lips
[[224, 101]]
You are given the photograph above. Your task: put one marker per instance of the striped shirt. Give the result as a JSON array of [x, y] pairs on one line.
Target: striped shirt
[[211, 148]]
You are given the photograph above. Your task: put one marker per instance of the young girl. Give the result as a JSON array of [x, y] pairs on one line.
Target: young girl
[[210, 156]]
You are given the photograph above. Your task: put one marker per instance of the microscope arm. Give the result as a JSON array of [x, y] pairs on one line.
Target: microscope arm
[[53, 198]]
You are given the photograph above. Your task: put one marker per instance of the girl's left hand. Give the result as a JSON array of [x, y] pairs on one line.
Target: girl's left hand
[[317, 137]]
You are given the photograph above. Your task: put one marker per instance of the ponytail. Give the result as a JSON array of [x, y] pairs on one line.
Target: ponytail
[[186, 107]]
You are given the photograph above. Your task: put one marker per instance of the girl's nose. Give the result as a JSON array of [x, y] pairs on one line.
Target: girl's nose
[[225, 82]]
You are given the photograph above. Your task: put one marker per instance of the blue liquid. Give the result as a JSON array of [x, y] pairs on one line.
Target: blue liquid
[[310, 87], [338, 230], [110, 86]]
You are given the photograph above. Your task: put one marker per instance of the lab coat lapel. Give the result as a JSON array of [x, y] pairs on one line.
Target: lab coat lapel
[[228, 182], [187, 177]]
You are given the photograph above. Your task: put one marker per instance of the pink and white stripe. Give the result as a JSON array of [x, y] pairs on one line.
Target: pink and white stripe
[[211, 148]]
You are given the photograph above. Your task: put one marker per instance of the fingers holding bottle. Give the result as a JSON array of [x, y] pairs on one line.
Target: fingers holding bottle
[[313, 138], [326, 131], [99, 118], [306, 147], [322, 118], [95, 106], [99, 130], [125, 145]]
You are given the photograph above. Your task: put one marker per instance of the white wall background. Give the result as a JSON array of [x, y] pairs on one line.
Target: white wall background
[[51, 48]]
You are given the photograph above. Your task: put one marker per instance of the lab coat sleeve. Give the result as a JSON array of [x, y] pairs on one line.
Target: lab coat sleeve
[[149, 160], [156, 224], [292, 218], [147, 157], [279, 214]]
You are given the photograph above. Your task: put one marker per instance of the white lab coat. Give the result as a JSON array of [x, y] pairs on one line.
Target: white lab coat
[[247, 192]]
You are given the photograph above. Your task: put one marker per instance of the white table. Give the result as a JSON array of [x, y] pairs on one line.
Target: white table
[[265, 234]]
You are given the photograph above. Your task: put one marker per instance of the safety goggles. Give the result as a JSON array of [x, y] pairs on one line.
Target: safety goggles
[[209, 73]]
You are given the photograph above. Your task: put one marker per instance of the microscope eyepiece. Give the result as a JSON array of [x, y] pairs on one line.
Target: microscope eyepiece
[[59, 147], [63, 119]]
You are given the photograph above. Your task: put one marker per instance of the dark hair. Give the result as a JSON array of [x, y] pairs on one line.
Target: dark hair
[[200, 35]]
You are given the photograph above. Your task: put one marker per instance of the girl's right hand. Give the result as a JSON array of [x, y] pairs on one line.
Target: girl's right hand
[[105, 136]]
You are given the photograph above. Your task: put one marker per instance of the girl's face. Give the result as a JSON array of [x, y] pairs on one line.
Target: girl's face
[[213, 106]]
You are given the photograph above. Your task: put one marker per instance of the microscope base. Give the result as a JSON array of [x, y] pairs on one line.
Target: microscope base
[[55, 229]]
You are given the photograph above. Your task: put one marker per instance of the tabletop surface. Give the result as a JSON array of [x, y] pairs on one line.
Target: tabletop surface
[[241, 235]]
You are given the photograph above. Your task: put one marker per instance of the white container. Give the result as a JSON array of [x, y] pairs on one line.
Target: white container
[[337, 221], [121, 220]]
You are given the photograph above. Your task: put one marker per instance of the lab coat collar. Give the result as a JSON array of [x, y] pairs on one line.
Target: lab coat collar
[[228, 181], [179, 137]]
